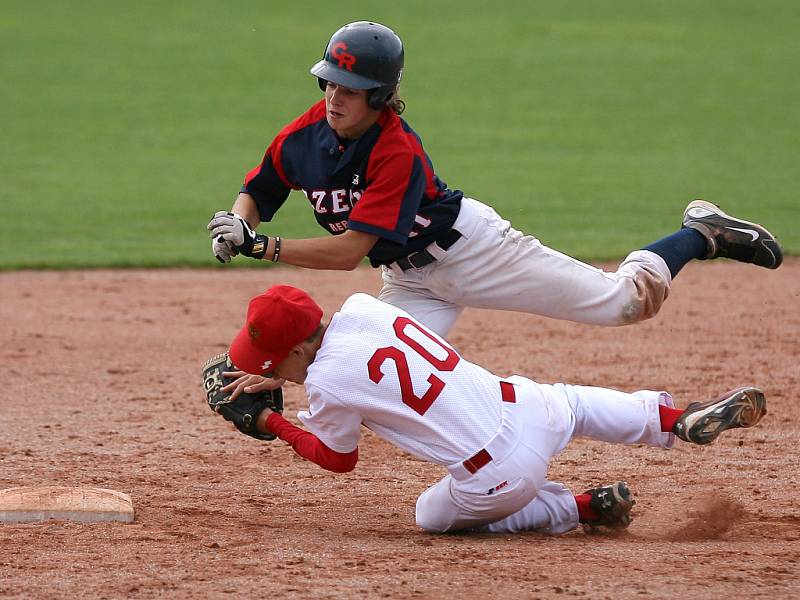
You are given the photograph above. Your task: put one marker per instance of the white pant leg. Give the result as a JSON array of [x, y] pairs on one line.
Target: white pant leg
[[511, 493], [553, 512], [614, 416], [598, 413], [407, 292], [549, 509], [556, 414], [450, 505], [497, 267]]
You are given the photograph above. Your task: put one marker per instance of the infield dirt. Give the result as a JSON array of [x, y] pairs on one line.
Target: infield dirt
[[102, 389]]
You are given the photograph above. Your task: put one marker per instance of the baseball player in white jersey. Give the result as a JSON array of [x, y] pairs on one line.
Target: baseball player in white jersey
[[375, 366]]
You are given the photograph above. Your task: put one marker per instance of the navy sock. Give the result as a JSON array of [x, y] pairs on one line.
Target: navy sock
[[679, 248]]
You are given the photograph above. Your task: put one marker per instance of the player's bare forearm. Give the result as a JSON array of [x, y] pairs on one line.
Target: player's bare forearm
[[342, 252], [246, 207]]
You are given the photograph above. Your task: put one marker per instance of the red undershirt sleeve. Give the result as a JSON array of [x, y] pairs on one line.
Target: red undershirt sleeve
[[310, 447]]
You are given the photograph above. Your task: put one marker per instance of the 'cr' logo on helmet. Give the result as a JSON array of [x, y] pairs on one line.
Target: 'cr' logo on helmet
[[346, 60]]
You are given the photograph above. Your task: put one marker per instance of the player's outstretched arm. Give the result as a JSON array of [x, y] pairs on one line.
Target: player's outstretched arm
[[342, 252], [247, 208], [234, 233], [306, 444]]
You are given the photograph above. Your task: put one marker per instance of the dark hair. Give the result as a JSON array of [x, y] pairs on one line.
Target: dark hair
[[396, 103], [316, 334]]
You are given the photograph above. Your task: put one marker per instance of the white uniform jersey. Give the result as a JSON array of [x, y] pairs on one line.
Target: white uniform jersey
[[380, 368]]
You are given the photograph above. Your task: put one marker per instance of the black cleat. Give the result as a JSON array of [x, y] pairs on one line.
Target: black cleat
[[613, 502], [729, 237], [702, 422]]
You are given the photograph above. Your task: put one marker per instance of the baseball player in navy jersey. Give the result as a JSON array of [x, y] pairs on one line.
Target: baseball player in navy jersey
[[373, 365], [372, 186]]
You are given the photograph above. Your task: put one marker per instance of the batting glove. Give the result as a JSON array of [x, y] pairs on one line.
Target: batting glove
[[234, 229], [223, 250]]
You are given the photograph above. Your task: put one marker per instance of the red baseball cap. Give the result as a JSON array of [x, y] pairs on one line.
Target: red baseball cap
[[277, 321]]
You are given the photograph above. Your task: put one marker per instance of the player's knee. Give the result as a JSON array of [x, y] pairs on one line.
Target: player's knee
[[632, 312], [430, 525], [644, 299], [431, 521], [431, 515]]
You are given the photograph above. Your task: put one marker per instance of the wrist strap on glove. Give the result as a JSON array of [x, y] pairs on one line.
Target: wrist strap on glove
[[255, 247], [254, 244]]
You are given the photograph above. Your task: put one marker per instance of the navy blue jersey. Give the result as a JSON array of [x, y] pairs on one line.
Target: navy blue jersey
[[383, 183]]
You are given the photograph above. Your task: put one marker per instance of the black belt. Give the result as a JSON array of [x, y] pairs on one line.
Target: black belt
[[420, 259]]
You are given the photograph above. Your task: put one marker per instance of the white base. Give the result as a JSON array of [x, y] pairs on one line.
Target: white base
[[87, 505]]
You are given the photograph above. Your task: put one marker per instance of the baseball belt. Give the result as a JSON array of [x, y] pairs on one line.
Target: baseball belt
[[482, 458], [417, 260]]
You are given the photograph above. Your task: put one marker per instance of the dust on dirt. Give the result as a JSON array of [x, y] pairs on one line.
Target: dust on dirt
[[709, 521]]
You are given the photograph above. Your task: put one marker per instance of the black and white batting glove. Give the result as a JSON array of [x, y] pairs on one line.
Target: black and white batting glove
[[234, 229], [223, 250]]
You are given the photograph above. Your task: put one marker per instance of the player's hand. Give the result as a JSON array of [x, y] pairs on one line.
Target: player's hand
[[236, 230], [244, 409], [249, 384], [223, 249], [231, 227]]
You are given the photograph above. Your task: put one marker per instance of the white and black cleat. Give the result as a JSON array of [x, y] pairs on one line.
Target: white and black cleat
[[613, 504], [702, 422], [729, 237]]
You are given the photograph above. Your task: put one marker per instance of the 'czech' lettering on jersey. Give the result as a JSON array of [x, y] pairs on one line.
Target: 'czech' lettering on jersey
[[402, 381], [382, 183]]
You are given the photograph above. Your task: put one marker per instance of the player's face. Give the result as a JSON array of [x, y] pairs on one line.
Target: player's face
[[294, 368], [347, 111]]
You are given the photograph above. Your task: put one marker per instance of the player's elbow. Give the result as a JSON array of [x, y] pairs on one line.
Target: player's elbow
[[353, 247], [352, 262], [347, 261], [339, 462], [341, 468], [340, 263], [349, 461]]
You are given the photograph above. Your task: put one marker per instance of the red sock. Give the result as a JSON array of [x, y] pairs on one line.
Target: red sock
[[585, 512], [668, 416]]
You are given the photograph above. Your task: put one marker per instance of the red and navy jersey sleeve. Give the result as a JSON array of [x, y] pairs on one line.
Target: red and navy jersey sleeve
[[403, 201], [395, 185], [266, 187]]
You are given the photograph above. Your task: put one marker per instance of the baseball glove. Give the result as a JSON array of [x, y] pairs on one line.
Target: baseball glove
[[244, 410]]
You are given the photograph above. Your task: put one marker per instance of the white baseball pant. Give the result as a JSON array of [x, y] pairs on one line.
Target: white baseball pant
[[495, 266], [511, 493]]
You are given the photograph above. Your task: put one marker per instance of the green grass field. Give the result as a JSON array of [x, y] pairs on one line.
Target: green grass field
[[591, 124]]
